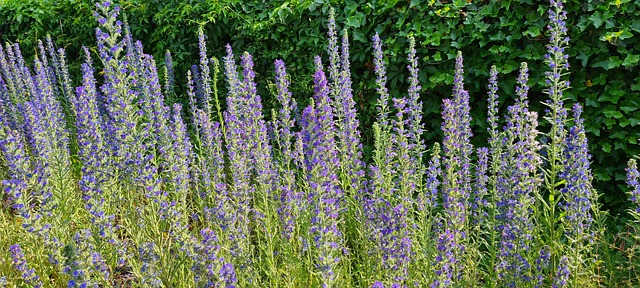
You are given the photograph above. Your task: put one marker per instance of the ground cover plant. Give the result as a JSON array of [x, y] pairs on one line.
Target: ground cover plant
[[105, 184]]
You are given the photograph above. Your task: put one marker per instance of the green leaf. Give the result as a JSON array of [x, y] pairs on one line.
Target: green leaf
[[612, 62], [592, 103], [596, 19], [437, 56], [620, 145], [533, 31], [613, 114], [620, 134], [608, 97], [631, 60], [628, 109]]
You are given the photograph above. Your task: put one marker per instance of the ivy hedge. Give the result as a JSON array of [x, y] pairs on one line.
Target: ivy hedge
[[604, 52]]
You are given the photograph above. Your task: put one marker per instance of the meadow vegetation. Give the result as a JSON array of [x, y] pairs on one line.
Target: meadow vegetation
[[109, 184]]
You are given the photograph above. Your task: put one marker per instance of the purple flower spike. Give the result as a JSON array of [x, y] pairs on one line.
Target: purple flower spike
[[414, 105], [578, 190], [291, 200], [322, 162], [632, 182], [381, 81], [20, 263]]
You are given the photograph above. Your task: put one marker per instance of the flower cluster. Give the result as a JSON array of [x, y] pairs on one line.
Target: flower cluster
[[120, 190]]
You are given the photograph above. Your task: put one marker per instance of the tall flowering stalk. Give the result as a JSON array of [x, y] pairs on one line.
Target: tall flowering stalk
[[34, 208], [169, 74], [322, 162], [578, 194], [290, 199], [414, 109], [263, 170], [381, 80], [180, 180], [241, 191], [517, 183], [120, 93], [384, 228], [94, 154], [205, 72], [632, 181], [456, 186], [351, 171], [556, 115]]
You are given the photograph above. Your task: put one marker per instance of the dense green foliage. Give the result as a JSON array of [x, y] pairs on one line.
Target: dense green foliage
[[604, 54]]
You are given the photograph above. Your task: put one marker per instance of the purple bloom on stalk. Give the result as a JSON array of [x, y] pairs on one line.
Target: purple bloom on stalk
[[321, 163], [52, 119], [562, 273], [492, 105], [93, 152], [414, 106], [212, 171], [632, 182], [517, 181], [264, 174], [228, 273], [559, 66], [577, 193], [181, 147], [149, 269], [82, 261], [334, 55], [169, 77], [541, 264], [261, 156], [456, 185], [12, 146], [480, 192], [445, 259], [291, 200], [238, 143], [344, 107], [20, 263], [381, 82], [205, 72], [349, 135], [44, 158], [123, 89], [210, 269], [233, 80], [153, 107]]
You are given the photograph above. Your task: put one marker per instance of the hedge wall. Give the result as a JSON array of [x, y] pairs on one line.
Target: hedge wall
[[604, 51]]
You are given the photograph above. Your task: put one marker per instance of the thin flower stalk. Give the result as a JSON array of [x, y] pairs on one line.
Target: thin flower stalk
[[632, 182], [322, 162]]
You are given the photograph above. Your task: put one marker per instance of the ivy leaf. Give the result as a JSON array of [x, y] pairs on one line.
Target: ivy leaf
[[592, 103], [534, 31], [612, 62], [628, 109], [596, 19], [611, 113], [631, 60]]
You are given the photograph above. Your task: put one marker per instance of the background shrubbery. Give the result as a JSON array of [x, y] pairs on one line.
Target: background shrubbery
[[603, 49]]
